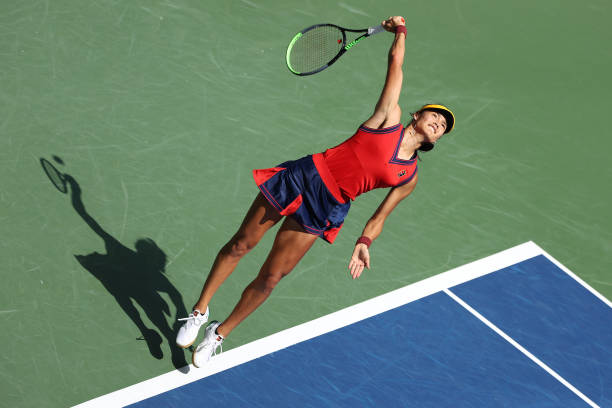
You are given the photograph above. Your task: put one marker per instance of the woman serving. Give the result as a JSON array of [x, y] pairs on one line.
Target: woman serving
[[313, 195]]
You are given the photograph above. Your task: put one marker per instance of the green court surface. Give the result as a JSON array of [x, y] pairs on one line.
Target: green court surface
[[160, 109]]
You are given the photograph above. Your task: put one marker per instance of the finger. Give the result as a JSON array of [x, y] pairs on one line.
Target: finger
[[353, 269], [359, 271], [356, 271]]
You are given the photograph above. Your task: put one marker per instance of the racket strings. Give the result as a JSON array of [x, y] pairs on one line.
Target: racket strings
[[316, 48]]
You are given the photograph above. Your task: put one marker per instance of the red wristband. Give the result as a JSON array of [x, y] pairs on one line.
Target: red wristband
[[401, 29], [364, 240]]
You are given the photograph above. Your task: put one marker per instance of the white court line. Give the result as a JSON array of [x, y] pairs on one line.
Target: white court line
[[520, 348], [577, 279], [317, 327]]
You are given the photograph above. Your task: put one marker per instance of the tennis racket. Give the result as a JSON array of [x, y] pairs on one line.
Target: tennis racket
[[317, 47]]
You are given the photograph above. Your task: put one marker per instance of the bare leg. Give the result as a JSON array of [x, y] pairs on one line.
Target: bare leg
[[259, 219], [290, 245]]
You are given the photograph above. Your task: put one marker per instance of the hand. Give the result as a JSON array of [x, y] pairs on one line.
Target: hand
[[392, 22], [77, 203], [76, 189], [360, 258]]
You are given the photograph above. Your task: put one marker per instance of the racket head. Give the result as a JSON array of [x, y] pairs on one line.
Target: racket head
[[315, 48], [54, 175]]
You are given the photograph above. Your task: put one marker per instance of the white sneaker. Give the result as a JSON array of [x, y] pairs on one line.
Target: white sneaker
[[188, 333], [208, 347]]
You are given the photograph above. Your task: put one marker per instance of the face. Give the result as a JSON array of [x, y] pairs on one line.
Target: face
[[431, 124]]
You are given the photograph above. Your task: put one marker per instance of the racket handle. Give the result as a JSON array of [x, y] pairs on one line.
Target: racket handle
[[376, 29]]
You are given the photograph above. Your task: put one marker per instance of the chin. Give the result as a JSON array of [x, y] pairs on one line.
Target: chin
[[431, 138]]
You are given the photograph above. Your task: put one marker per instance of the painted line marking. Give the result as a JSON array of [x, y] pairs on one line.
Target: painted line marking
[[317, 327], [577, 279], [322, 325], [522, 349]]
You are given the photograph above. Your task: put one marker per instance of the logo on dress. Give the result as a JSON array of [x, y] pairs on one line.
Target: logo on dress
[[401, 173]]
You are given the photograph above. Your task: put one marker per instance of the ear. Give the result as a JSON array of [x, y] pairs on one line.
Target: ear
[[416, 115]]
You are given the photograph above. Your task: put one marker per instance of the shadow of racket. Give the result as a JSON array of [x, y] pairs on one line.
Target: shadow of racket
[[54, 175]]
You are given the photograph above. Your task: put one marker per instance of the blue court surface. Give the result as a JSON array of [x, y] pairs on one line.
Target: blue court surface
[[515, 329]]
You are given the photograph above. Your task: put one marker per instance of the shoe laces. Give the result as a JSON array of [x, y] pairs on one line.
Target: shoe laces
[[193, 318], [217, 343]]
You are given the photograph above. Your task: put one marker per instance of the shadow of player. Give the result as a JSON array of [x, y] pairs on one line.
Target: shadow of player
[[134, 276]]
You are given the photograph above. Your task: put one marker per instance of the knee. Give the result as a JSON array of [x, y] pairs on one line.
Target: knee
[[238, 247], [269, 280]]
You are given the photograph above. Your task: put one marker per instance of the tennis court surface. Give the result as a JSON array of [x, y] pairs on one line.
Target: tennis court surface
[[514, 329]]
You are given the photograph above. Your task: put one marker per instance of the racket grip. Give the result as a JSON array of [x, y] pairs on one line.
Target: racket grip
[[376, 29]]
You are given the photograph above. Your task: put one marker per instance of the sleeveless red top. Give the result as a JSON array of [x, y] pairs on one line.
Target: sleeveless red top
[[365, 161]]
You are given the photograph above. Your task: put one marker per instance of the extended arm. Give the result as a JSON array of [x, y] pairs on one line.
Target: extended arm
[[77, 203], [374, 226], [387, 111]]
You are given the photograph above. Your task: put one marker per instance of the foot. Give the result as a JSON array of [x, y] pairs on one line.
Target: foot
[[206, 349], [188, 333]]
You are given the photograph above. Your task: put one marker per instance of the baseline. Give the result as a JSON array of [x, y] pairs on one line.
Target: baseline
[[317, 327]]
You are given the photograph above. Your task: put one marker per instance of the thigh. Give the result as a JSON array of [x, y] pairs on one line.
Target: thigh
[[259, 219], [290, 245]]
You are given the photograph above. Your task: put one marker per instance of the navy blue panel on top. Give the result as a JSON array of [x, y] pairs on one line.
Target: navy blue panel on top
[[552, 316], [428, 353]]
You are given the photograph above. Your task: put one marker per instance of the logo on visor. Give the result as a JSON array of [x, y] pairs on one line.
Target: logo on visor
[[401, 173]]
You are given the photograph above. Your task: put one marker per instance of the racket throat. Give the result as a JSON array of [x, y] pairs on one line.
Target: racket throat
[[352, 43]]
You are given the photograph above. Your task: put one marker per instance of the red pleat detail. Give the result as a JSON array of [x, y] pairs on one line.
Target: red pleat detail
[[263, 175], [330, 235], [293, 207]]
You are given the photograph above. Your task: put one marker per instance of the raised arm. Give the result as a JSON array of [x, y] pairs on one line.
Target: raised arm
[[77, 202], [387, 111], [374, 226]]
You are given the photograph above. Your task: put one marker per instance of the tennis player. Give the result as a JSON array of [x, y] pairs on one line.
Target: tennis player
[[314, 193]]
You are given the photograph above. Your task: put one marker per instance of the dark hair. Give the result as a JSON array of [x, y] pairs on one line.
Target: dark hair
[[426, 146]]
